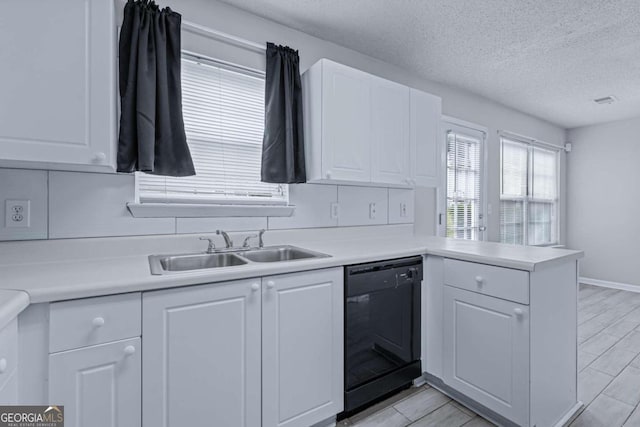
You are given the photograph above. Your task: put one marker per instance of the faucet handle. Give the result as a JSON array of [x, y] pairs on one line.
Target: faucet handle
[[212, 245], [245, 244]]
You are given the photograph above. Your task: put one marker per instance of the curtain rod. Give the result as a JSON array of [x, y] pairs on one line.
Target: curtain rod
[[528, 140], [220, 35], [223, 37]]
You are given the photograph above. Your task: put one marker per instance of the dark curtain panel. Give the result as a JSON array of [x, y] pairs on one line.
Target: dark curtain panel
[[152, 137], [283, 143]]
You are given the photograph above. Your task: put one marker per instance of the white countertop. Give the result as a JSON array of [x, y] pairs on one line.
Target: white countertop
[[11, 304], [70, 272]]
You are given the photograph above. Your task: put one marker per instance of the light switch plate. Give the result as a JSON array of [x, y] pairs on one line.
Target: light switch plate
[[17, 213], [335, 210], [403, 210]]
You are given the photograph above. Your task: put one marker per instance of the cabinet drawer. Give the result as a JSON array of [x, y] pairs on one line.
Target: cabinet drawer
[[83, 322], [8, 351], [505, 283]]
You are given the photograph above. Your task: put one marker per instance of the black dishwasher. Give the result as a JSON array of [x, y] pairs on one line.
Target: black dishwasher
[[382, 329]]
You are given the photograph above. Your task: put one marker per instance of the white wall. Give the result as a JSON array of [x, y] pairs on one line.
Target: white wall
[[82, 205], [604, 199], [456, 103]]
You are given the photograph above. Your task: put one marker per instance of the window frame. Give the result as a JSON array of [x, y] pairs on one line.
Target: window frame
[[151, 206], [472, 130], [528, 197]]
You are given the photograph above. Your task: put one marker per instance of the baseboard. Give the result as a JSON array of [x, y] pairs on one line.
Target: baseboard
[[570, 416], [469, 403], [608, 284]]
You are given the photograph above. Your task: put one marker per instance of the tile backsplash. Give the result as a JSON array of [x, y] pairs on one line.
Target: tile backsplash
[[77, 204]]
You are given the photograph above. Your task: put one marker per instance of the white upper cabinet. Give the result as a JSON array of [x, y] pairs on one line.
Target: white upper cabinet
[[426, 112], [358, 128], [390, 132], [346, 100], [57, 84]]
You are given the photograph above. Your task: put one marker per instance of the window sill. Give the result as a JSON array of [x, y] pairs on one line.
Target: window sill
[[184, 210]]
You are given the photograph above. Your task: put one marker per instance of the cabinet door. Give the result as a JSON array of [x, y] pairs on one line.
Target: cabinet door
[[302, 348], [346, 125], [486, 351], [390, 132], [426, 114], [202, 355], [9, 390], [58, 84], [99, 386]]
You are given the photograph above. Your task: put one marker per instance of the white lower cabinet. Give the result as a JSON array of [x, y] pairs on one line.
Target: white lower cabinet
[[302, 348], [201, 355], [9, 363], [503, 340], [9, 390], [99, 385], [263, 352], [486, 351]]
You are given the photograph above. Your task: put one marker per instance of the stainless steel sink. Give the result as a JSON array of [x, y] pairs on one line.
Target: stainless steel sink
[[280, 253], [165, 264], [161, 264]]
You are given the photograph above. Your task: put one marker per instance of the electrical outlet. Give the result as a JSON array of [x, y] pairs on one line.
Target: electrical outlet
[[403, 210], [372, 211], [335, 210], [17, 213], [489, 210]]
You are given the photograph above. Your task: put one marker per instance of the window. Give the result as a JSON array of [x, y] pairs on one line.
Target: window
[[223, 111], [464, 213], [529, 194]]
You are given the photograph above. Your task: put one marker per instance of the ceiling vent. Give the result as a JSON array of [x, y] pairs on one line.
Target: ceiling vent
[[606, 100]]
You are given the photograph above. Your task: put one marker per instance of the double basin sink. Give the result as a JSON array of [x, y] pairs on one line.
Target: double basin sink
[[163, 264]]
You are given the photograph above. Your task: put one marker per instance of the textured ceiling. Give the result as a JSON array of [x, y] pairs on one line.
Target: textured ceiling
[[548, 58]]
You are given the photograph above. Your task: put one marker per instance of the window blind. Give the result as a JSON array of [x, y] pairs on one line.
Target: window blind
[[223, 111], [529, 194], [463, 185]]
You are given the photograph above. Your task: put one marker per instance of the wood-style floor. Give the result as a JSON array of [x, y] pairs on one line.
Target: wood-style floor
[[608, 373]]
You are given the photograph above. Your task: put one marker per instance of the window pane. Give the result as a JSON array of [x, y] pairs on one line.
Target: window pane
[[461, 219], [463, 185], [529, 197], [224, 121], [540, 223], [514, 168], [512, 222], [545, 167]]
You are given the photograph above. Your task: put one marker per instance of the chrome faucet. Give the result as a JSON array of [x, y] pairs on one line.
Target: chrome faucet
[[260, 242], [227, 240]]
